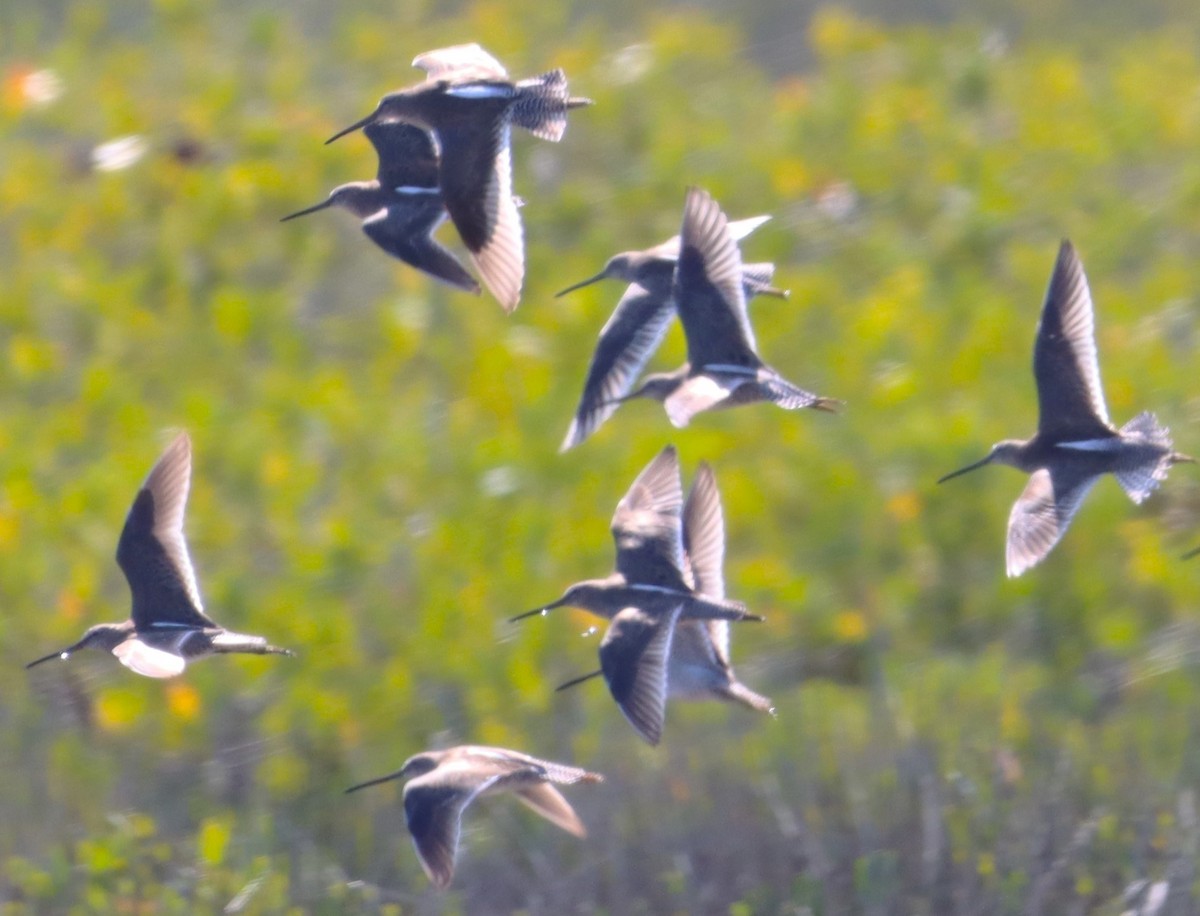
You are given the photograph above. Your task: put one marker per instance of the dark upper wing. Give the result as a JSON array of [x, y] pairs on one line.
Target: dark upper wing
[[407, 156], [704, 533], [633, 657], [1070, 399], [704, 543], [708, 288], [647, 526], [626, 343], [476, 179], [152, 551], [403, 231]]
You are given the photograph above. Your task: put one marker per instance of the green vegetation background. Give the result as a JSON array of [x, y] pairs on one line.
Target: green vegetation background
[[377, 483]]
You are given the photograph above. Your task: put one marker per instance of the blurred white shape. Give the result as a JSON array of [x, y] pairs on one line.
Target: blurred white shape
[[892, 374], [523, 340], [837, 200], [994, 44], [590, 631], [41, 87], [411, 313], [500, 481], [419, 525], [1146, 898], [630, 64], [118, 154]]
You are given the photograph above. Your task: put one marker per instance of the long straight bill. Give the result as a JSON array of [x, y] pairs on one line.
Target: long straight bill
[[62, 653], [353, 127], [969, 467], [307, 210], [538, 610], [374, 782], [588, 282], [575, 681]]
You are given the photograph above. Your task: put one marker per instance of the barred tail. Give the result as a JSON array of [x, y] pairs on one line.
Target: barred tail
[[1139, 480], [542, 105], [756, 281], [793, 397]]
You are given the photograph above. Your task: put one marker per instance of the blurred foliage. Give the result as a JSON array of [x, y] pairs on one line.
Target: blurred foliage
[[377, 484]]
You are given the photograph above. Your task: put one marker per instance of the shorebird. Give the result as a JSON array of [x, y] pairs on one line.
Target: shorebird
[[648, 530], [1075, 441], [640, 321], [403, 206], [167, 627], [723, 368], [688, 659], [469, 104], [441, 784]]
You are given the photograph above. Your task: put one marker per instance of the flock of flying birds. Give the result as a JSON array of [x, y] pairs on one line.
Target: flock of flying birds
[[444, 150]]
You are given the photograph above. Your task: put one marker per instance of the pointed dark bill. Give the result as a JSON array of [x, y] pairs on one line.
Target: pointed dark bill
[[575, 681], [353, 127], [1190, 554], [538, 610], [61, 653], [374, 782], [580, 285], [969, 467], [307, 210]]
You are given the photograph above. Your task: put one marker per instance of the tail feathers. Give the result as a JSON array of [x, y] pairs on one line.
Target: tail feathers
[[542, 105], [793, 397], [227, 641], [707, 607], [756, 280], [740, 693], [1140, 481], [1145, 428]]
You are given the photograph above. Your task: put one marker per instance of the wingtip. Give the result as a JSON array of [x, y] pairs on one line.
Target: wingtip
[[1067, 253]]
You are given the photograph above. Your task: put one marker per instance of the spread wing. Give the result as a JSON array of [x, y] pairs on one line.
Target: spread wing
[[738, 228], [550, 804], [1040, 517], [1070, 398], [407, 156], [704, 543], [626, 343], [433, 809], [152, 551], [476, 181], [403, 231], [633, 657], [647, 526], [460, 63], [708, 288]]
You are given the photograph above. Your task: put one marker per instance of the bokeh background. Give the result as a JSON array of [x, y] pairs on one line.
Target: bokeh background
[[377, 483]]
